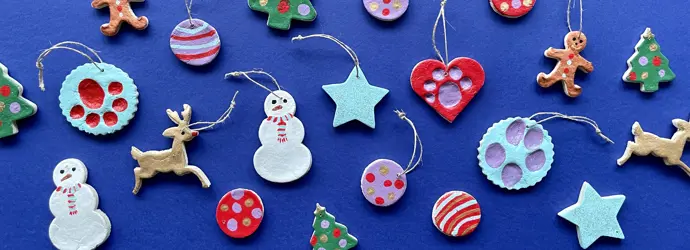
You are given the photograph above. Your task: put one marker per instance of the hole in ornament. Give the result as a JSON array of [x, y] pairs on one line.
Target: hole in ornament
[[515, 132], [91, 93], [115, 88], [77, 112], [430, 86], [430, 98], [92, 120], [533, 138], [110, 118], [455, 73], [438, 74], [495, 155], [465, 83], [120, 105], [449, 94], [511, 175], [535, 161]]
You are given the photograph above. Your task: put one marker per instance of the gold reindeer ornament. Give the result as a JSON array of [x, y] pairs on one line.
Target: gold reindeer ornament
[[670, 150]]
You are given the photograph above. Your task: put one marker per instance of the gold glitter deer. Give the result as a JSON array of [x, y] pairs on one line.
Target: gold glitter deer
[[669, 149]]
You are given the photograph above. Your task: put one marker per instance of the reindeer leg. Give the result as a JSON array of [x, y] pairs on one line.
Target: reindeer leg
[[140, 174], [684, 167], [205, 182], [628, 152]]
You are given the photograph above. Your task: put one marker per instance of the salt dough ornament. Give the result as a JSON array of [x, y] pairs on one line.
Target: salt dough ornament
[[386, 10], [239, 213], [174, 159], [512, 8], [517, 152], [670, 150], [97, 98], [281, 12], [13, 105], [456, 214], [78, 223], [648, 66], [282, 157], [384, 182], [120, 11], [194, 41], [355, 98], [447, 88], [329, 234], [594, 216]]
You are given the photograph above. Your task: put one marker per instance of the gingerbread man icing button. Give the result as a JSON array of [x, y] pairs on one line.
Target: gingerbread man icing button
[[386, 10], [120, 11], [512, 8], [569, 61], [239, 213]]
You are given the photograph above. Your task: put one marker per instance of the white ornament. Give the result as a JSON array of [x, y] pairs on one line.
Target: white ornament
[[282, 157], [78, 223]]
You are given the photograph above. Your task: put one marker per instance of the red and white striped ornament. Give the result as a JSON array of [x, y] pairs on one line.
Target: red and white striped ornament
[[456, 213], [195, 42]]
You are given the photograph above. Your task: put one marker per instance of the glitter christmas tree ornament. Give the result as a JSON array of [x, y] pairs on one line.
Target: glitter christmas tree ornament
[[282, 12], [648, 66], [329, 234], [13, 105]]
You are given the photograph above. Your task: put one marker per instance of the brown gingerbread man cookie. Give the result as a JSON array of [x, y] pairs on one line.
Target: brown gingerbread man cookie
[[120, 11], [569, 61]]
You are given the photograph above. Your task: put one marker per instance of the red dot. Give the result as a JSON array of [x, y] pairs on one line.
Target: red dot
[[370, 177], [77, 112], [110, 118], [119, 8], [387, 183], [120, 105], [313, 240], [386, 1], [336, 232], [656, 61], [571, 56], [115, 88], [91, 93], [0, 123], [283, 6], [386, 12], [632, 76], [566, 70], [92, 120], [399, 184], [5, 90], [379, 200]]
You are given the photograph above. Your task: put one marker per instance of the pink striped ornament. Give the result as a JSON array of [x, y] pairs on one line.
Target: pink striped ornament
[[456, 213], [195, 43]]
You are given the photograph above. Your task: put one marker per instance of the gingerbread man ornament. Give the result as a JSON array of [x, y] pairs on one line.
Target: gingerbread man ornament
[[569, 61], [120, 11]]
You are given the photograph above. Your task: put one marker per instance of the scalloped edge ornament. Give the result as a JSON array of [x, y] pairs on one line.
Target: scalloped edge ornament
[[494, 174]]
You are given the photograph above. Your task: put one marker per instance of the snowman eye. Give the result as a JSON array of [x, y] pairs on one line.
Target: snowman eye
[[74, 169], [274, 102], [62, 171], [284, 100]]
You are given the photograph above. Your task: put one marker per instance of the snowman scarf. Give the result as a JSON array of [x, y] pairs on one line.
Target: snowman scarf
[[71, 199], [281, 121]]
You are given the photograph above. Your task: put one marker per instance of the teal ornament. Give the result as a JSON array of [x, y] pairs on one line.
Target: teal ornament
[[98, 101], [516, 153], [594, 216], [355, 99]]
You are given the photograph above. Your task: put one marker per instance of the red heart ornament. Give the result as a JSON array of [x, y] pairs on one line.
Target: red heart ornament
[[448, 89]]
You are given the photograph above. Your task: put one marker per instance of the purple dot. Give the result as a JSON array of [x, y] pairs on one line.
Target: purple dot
[[495, 155], [303, 9], [515, 132], [237, 194], [643, 60], [535, 161], [15, 107], [662, 73], [511, 175], [533, 138]]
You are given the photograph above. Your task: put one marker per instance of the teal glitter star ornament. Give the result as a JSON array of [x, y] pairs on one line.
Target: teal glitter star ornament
[[594, 216], [355, 98]]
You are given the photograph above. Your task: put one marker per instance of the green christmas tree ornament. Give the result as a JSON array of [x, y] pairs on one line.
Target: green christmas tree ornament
[[328, 234], [13, 106], [281, 12], [648, 66]]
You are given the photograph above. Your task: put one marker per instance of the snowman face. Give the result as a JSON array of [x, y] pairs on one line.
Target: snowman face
[[69, 172], [274, 106]]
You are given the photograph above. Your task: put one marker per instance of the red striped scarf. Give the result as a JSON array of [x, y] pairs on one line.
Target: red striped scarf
[[71, 199], [282, 126]]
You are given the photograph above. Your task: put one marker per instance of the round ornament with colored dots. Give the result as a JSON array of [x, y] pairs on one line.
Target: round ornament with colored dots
[[98, 100], [456, 214], [386, 10], [382, 182], [239, 213], [512, 8]]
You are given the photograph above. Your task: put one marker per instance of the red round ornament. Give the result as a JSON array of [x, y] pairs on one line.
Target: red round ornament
[[239, 213]]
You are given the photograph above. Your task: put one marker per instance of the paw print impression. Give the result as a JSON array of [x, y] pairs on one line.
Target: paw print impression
[[516, 153]]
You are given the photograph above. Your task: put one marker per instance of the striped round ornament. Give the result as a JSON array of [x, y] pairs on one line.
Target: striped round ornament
[[456, 213], [195, 43]]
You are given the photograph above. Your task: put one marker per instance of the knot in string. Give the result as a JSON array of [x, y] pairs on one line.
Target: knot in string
[[582, 119], [410, 167], [347, 48], [257, 71], [221, 119], [64, 45]]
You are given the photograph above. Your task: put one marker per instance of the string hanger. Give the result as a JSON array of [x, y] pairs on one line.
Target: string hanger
[[256, 71], [582, 119], [571, 4], [221, 119], [347, 48], [441, 15], [64, 45], [401, 114], [188, 4]]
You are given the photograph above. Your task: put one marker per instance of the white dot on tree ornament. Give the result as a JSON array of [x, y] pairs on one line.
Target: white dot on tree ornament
[[662, 73], [325, 224], [342, 243], [232, 225], [321, 248], [643, 61], [236, 207]]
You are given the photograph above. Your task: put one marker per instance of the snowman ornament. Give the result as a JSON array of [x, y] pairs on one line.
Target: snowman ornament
[[282, 157], [78, 223]]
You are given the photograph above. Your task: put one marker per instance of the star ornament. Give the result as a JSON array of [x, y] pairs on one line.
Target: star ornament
[[594, 216], [355, 99]]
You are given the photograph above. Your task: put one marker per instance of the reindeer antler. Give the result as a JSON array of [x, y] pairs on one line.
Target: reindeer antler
[[187, 113], [174, 117]]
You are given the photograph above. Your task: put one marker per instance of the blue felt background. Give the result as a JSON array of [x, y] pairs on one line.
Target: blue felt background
[[176, 213]]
